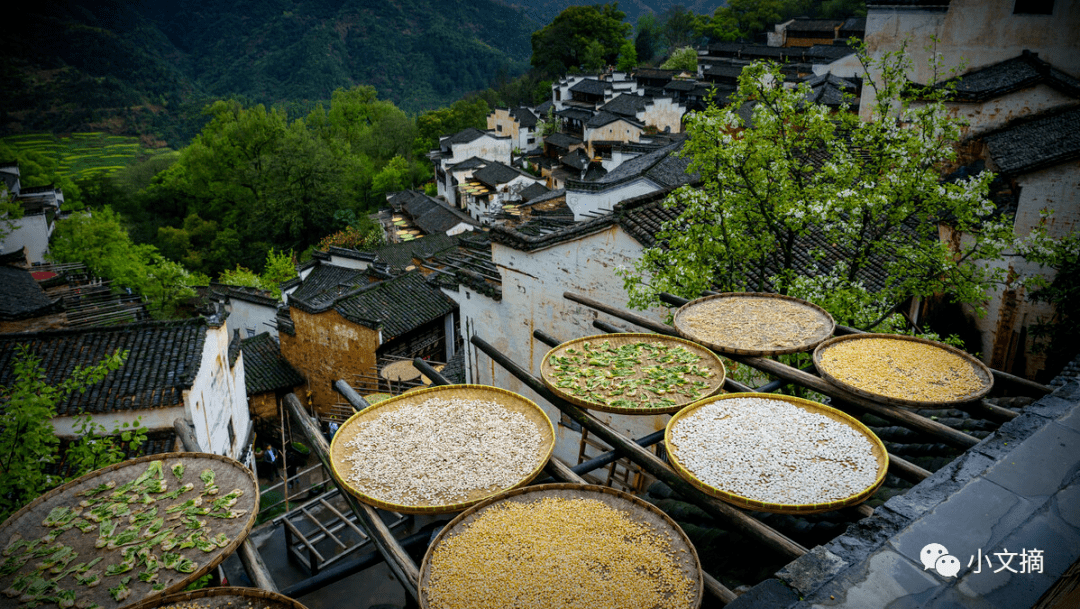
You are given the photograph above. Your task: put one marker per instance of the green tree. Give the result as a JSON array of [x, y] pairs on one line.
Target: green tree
[[647, 38], [28, 444], [391, 178], [682, 59], [279, 269], [871, 189], [627, 57], [562, 43], [741, 19], [680, 27]]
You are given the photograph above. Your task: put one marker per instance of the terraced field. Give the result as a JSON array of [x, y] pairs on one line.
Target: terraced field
[[83, 155]]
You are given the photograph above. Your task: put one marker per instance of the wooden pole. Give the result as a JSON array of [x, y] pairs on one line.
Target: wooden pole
[[399, 561]]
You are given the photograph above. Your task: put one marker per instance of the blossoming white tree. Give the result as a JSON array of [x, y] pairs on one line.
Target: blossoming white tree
[[777, 170]]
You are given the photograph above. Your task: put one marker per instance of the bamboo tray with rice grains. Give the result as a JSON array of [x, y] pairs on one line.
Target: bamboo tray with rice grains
[[902, 370], [632, 373], [561, 545], [222, 598], [145, 527], [753, 323], [442, 449], [775, 453]]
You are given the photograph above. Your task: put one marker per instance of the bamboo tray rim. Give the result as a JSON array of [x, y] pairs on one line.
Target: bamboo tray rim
[[876, 447], [732, 350], [710, 359], [80, 483], [981, 370], [577, 491], [226, 593], [495, 394]]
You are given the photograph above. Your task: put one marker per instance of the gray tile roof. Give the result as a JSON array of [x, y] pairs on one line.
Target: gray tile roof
[[22, 297], [472, 162], [463, 137], [396, 305], [578, 159], [626, 104], [325, 283], [663, 166], [588, 86], [533, 191], [1042, 141], [400, 255], [562, 140], [524, 117], [1010, 75], [264, 367], [163, 360], [604, 118], [431, 215], [496, 173]]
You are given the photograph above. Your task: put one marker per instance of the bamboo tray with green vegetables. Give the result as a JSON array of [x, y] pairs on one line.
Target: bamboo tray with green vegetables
[[126, 532], [632, 373]]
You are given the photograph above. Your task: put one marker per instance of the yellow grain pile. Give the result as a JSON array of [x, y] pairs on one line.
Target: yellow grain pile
[[901, 369], [556, 553]]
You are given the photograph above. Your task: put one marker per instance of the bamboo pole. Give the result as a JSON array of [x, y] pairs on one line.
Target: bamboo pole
[[399, 561], [650, 462]]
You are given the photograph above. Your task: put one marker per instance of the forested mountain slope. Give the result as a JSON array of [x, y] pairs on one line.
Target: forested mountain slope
[[149, 66]]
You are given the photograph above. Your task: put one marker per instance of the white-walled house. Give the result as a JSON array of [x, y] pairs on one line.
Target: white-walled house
[[40, 206], [661, 169], [463, 147], [492, 187], [519, 124], [251, 310], [189, 369]]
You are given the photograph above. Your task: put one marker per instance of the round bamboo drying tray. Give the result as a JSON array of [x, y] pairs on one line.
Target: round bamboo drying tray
[[505, 399], [401, 371], [222, 598], [229, 475], [708, 359], [877, 447], [681, 550], [732, 347], [982, 372]]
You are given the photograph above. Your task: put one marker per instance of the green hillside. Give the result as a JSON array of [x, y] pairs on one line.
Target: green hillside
[[148, 68]]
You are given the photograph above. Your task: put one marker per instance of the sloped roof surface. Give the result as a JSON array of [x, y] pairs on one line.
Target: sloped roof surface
[[533, 191], [464, 136], [626, 104], [470, 163], [496, 173], [326, 282], [577, 159], [562, 140], [524, 117], [1043, 141], [434, 216], [264, 367], [604, 118], [400, 255], [589, 86], [655, 164], [1012, 75], [163, 360], [21, 297], [396, 305]]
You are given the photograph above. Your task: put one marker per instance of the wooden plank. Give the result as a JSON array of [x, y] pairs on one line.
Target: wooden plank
[[303, 540], [326, 504], [312, 518]]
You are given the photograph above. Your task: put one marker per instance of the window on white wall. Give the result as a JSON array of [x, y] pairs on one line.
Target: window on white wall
[[250, 332]]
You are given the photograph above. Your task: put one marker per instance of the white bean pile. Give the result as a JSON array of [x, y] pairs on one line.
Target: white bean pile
[[773, 451], [438, 451]]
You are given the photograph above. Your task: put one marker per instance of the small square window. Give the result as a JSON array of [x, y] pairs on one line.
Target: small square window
[[250, 332]]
